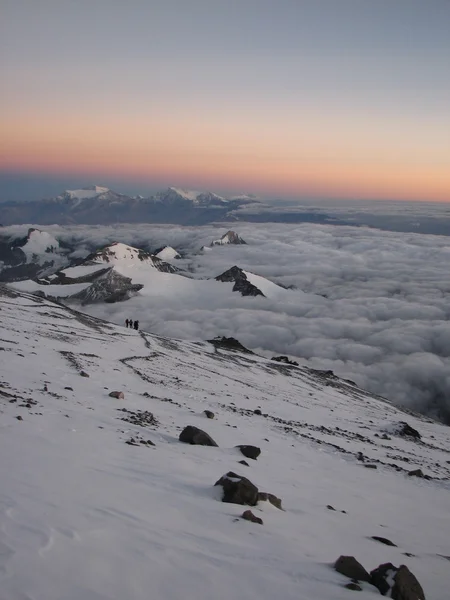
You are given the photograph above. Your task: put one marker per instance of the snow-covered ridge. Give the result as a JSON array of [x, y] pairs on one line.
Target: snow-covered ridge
[[87, 192], [40, 243], [82, 485], [230, 237]]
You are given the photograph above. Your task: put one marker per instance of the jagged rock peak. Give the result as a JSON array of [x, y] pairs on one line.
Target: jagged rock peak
[[230, 237], [241, 282]]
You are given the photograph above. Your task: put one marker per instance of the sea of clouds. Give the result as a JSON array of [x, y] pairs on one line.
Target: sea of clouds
[[371, 305]]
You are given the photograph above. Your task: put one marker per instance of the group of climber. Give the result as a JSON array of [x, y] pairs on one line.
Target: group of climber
[[132, 324]]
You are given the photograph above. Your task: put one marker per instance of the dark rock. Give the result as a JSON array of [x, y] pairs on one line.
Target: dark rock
[[19, 418], [266, 496], [68, 388], [209, 414], [238, 489], [406, 586], [351, 568], [118, 395], [243, 462], [285, 359], [241, 283], [406, 430], [195, 436], [360, 456], [330, 507], [84, 374], [416, 473], [383, 540], [229, 343], [353, 586], [249, 516], [399, 582], [257, 411], [371, 466], [250, 451]]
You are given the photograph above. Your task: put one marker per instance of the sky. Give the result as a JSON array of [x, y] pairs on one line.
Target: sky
[[287, 99]]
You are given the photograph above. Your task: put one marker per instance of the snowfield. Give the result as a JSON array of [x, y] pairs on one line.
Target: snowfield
[[86, 516]]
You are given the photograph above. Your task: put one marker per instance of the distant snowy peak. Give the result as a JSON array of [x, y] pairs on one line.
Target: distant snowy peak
[[118, 254], [230, 237], [174, 195], [87, 192], [167, 253]]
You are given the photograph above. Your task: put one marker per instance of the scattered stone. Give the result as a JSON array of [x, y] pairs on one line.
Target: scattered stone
[[238, 489], [250, 451], [195, 436], [257, 411], [416, 473], [400, 583], [409, 554], [266, 496], [118, 395], [331, 507], [19, 418], [131, 442], [68, 388], [209, 414], [353, 586], [351, 568], [383, 540], [249, 516], [385, 437], [243, 462], [371, 466], [84, 374], [143, 418]]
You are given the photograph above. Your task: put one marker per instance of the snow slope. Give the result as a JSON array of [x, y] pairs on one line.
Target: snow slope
[[168, 253], [84, 515], [268, 288]]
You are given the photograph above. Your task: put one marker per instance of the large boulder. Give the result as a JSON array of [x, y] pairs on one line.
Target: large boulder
[[399, 583], [250, 451], [351, 568], [195, 436], [238, 489]]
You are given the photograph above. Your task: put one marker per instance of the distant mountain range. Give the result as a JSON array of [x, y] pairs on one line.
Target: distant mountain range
[[100, 205]]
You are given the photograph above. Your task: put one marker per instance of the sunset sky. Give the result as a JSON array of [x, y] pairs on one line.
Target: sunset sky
[[283, 98]]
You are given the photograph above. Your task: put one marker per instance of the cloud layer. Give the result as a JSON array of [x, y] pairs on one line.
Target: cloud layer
[[372, 306]]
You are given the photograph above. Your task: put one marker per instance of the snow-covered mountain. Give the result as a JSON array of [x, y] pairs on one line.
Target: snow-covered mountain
[[96, 204], [167, 253], [230, 237], [249, 284], [37, 254], [100, 498], [111, 274]]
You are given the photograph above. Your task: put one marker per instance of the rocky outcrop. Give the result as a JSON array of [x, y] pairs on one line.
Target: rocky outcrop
[[110, 287], [397, 582], [196, 437], [229, 343], [241, 283]]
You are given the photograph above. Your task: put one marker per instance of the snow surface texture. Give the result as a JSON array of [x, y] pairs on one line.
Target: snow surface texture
[[84, 515]]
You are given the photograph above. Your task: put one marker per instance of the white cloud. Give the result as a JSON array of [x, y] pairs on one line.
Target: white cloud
[[376, 311]]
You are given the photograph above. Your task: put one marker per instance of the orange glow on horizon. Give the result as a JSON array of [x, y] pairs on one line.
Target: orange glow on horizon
[[256, 160]]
